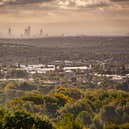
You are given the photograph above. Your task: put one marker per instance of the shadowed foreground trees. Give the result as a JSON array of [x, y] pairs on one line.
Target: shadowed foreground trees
[[67, 108], [22, 120], [114, 126]]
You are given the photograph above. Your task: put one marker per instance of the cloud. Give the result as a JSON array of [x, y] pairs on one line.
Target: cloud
[[61, 4], [21, 2], [82, 3], [120, 0]]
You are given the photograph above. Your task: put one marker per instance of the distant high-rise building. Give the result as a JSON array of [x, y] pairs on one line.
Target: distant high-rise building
[[41, 32], [27, 31], [9, 31]]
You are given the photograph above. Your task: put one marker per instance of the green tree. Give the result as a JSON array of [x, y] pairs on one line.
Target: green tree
[[68, 122], [24, 120], [84, 118]]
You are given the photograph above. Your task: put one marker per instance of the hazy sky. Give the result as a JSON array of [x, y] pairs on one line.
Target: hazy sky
[[92, 17]]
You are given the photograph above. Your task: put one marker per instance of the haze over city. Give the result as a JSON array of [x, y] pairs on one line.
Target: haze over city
[[69, 17], [64, 64]]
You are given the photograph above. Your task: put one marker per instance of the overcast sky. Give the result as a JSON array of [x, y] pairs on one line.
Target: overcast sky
[[91, 17]]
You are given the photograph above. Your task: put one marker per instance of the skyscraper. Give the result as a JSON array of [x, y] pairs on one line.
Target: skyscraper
[[9, 31], [41, 32], [27, 31]]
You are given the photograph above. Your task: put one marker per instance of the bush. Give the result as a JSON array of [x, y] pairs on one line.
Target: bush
[[23, 120]]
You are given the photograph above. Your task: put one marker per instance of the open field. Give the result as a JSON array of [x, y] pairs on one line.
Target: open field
[[46, 50]]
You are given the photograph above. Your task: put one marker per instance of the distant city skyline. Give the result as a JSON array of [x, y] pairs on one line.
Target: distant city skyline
[[70, 17]]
